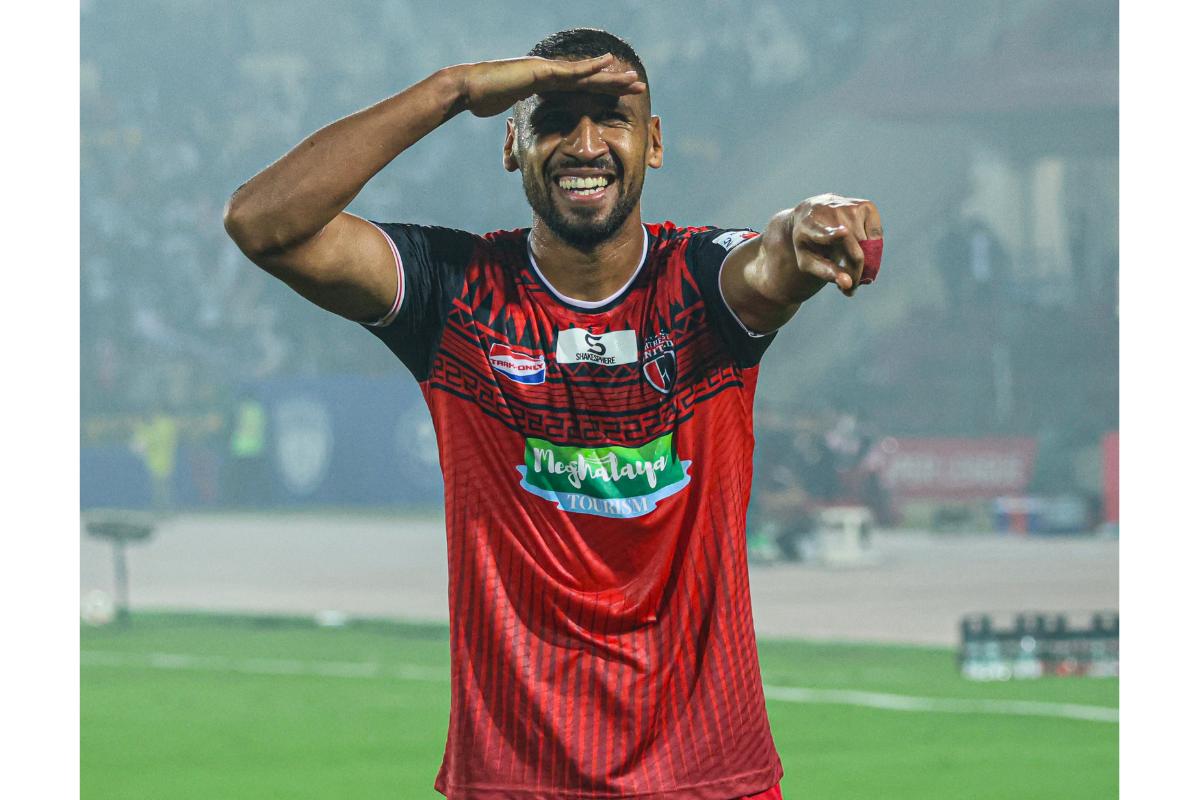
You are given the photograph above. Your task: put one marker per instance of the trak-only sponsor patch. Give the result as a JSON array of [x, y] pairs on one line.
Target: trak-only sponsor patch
[[517, 363]]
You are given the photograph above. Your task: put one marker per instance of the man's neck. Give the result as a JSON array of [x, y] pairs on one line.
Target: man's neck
[[589, 275]]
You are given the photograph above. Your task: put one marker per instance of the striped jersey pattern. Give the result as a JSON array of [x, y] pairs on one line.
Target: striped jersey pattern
[[597, 467]]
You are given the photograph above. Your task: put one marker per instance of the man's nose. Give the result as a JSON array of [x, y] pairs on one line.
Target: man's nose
[[586, 142]]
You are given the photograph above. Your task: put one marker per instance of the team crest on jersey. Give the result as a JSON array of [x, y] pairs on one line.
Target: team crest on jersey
[[659, 363], [517, 363]]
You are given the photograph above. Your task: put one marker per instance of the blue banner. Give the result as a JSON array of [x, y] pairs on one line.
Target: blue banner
[[344, 440]]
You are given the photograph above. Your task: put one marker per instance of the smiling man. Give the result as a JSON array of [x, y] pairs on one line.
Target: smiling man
[[591, 382]]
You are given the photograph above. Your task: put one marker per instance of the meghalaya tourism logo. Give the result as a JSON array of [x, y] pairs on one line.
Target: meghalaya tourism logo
[[613, 481]]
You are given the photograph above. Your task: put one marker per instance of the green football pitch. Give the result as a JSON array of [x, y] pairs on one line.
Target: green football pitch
[[202, 706]]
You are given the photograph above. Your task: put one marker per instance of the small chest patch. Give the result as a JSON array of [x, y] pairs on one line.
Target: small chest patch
[[577, 346], [517, 363]]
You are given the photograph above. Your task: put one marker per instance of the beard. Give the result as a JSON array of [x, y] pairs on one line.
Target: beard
[[583, 230]]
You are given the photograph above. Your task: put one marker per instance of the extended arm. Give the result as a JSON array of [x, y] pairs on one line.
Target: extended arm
[[290, 219], [765, 280]]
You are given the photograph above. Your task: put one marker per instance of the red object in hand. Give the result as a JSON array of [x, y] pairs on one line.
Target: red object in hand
[[872, 258]]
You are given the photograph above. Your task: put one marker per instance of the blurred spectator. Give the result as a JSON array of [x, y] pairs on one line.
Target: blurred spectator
[[781, 508], [804, 463], [156, 440], [247, 473], [975, 267], [988, 263]]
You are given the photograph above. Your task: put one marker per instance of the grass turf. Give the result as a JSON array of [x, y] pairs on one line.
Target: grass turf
[[209, 728]]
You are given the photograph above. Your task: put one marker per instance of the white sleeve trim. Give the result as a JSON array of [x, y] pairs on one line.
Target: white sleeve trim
[[390, 316], [721, 290]]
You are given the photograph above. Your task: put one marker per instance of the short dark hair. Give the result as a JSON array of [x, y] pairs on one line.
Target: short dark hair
[[580, 43]]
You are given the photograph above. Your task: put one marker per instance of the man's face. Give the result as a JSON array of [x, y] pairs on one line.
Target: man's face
[[583, 160]]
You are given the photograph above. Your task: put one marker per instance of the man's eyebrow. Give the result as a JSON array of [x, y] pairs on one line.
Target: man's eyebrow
[[545, 105], [541, 111]]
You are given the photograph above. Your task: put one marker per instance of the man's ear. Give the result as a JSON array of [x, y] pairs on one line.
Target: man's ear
[[654, 154], [510, 143]]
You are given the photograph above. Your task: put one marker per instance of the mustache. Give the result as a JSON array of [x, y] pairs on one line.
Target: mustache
[[607, 162]]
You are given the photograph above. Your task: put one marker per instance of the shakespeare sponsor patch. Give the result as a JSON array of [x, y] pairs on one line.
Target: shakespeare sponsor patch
[[577, 346]]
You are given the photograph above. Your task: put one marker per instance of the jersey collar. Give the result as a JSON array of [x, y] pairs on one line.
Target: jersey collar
[[592, 306]]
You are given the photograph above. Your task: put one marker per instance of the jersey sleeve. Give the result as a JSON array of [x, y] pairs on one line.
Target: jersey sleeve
[[431, 265], [705, 254]]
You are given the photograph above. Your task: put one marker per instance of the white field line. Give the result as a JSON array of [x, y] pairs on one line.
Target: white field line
[[410, 672], [261, 666], [899, 702]]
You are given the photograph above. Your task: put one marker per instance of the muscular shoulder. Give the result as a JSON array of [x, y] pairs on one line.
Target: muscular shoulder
[[693, 236], [695, 256], [668, 232], [499, 252]]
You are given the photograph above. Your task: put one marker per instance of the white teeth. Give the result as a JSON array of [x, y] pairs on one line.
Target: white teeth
[[572, 182]]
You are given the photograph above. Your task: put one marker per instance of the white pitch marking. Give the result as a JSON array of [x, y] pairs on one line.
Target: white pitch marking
[[260, 666], [787, 694], [899, 702]]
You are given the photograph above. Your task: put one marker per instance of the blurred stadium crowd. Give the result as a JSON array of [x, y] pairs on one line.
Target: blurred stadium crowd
[[170, 309], [183, 100]]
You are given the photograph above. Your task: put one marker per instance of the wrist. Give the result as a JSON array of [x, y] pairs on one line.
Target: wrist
[[453, 83]]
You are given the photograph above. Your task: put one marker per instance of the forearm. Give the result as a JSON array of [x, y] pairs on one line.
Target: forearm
[[296, 197], [819, 241], [762, 281]]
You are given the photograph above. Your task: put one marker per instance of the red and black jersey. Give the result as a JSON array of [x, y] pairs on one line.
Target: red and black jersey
[[597, 463]]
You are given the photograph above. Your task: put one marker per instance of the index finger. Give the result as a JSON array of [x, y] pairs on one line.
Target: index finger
[[585, 66], [575, 68], [607, 82], [548, 73], [599, 74], [602, 78]]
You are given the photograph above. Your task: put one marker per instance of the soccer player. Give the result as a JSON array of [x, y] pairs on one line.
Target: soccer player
[[591, 382]]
